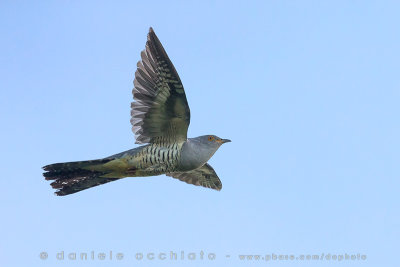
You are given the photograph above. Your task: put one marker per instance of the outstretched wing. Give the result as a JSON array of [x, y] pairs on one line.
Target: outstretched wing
[[203, 176], [160, 110]]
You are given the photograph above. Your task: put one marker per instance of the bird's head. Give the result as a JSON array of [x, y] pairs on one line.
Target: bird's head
[[212, 141]]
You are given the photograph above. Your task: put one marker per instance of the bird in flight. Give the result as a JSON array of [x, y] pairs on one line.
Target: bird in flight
[[160, 119]]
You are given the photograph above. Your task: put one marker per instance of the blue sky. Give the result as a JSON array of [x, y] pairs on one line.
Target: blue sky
[[308, 91]]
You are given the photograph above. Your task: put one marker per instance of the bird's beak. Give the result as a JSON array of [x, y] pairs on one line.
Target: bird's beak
[[223, 141]]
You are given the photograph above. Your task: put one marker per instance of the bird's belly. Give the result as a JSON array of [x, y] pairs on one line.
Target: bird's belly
[[154, 160]]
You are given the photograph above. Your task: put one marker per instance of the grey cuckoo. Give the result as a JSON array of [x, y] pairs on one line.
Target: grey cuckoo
[[160, 119]]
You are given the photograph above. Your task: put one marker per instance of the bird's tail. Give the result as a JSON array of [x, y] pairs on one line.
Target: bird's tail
[[72, 177]]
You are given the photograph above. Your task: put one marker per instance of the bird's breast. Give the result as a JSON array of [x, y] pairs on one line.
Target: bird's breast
[[156, 159], [193, 156]]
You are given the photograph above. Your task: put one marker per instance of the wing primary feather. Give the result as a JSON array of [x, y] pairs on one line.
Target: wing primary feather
[[160, 110]]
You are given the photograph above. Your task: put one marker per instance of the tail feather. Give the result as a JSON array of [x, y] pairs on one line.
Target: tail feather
[[74, 165], [72, 177]]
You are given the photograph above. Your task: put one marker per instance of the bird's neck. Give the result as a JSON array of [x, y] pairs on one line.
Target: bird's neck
[[194, 155]]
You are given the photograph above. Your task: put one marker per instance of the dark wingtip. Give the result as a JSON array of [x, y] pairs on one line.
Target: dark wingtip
[[151, 35], [218, 186]]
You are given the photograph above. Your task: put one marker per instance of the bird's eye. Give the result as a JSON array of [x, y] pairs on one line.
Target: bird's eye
[[210, 138]]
